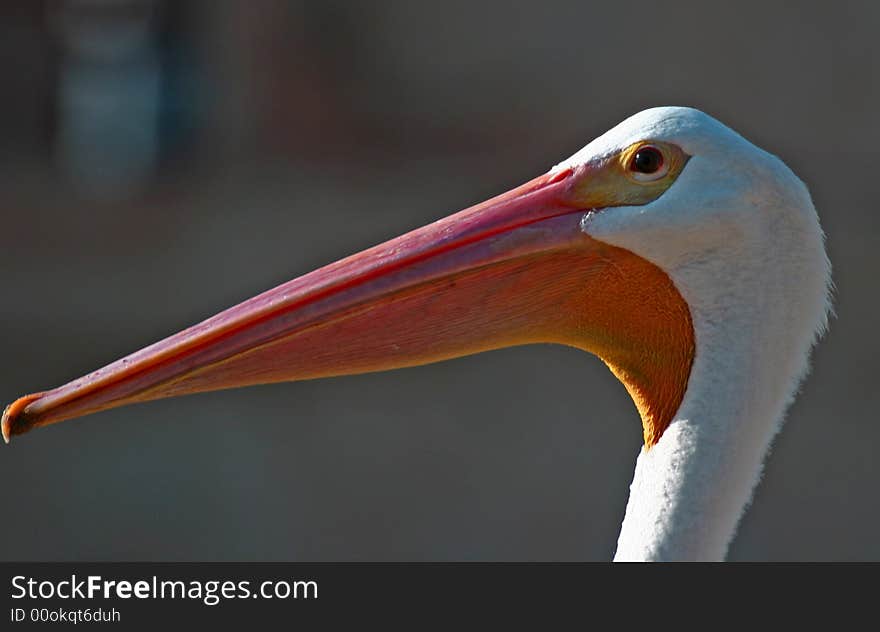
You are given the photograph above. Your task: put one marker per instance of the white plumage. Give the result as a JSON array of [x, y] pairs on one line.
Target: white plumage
[[739, 236]]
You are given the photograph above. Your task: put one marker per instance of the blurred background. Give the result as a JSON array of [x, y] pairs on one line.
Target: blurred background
[[160, 161]]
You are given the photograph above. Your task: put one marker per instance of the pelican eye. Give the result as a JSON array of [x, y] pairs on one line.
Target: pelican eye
[[648, 164]]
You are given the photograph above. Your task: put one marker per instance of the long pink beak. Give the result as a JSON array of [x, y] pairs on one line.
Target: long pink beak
[[512, 270]]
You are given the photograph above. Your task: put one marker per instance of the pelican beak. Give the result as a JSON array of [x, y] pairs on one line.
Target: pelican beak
[[514, 270]]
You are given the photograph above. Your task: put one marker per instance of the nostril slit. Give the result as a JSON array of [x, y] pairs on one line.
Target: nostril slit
[[559, 176]]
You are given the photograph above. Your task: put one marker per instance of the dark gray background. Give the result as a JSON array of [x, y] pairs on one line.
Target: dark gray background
[[291, 134]]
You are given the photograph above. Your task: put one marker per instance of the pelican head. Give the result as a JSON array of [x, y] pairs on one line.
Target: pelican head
[[690, 261]]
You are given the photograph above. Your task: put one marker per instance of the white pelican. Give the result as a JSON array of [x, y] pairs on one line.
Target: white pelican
[[686, 258]]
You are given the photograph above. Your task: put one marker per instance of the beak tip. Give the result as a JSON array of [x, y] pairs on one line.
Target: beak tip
[[11, 422], [6, 425]]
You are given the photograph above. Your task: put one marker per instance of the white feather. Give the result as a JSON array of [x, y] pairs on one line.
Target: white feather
[[738, 235]]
